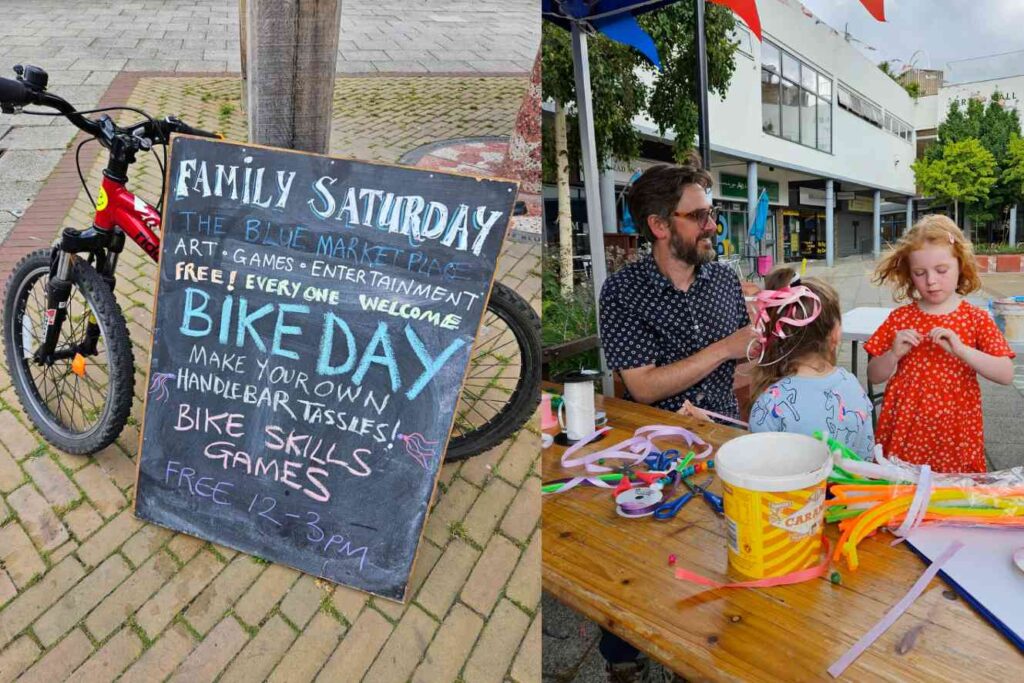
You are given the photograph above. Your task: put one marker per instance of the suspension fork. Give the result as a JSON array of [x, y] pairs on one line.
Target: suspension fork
[[105, 247]]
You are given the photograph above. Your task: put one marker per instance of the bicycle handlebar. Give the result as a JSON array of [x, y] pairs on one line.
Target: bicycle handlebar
[[14, 93]]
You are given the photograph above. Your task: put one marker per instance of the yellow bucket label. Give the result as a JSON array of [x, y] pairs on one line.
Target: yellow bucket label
[[772, 534], [101, 200]]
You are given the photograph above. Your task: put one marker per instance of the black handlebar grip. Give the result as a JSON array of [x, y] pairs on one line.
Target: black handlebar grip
[[189, 130], [14, 93]]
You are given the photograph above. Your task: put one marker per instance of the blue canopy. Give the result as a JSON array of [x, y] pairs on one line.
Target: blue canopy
[[614, 18]]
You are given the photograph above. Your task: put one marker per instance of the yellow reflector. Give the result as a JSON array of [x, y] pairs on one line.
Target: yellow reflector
[[78, 365]]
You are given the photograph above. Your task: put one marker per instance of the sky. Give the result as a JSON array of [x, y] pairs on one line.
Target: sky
[[946, 31]]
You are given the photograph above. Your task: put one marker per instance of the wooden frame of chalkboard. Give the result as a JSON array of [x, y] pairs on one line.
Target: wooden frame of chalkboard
[[312, 324]]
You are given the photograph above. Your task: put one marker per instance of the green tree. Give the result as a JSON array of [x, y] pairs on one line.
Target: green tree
[[673, 97], [913, 88], [1013, 169], [993, 125], [965, 172]]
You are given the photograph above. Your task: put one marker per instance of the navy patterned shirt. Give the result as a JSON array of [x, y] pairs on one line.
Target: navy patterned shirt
[[645, 320]]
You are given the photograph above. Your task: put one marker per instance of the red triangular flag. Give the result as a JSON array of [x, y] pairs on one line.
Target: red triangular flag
[[747, 11], [875, 7]]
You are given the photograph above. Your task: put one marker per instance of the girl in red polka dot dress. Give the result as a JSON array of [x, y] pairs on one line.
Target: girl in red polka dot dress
[[932, 350]]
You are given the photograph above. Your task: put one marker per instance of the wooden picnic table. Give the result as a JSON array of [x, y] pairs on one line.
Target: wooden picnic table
[[616, 572]]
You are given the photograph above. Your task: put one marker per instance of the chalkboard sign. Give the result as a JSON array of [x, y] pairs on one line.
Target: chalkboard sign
[[314, 321]]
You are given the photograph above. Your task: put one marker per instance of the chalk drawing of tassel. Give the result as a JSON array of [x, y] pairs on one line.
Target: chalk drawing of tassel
[[159, 384], [419, 448]]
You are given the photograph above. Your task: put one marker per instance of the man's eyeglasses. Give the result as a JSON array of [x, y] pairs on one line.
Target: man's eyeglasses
[[700, 216]]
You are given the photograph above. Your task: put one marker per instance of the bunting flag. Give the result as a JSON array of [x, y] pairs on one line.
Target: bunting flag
[[875, 7], [747, 11]]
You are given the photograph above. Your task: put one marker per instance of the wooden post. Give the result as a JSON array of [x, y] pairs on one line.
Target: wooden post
[[243, 40], [292, 52]]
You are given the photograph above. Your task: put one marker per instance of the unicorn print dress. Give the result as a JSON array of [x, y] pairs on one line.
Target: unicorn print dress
[[834, 404]]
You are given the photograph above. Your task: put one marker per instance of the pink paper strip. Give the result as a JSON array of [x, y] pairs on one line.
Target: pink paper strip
[[893, 614]]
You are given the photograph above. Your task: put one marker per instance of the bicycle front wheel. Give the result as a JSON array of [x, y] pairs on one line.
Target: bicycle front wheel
[[502, 387], [79, 403]]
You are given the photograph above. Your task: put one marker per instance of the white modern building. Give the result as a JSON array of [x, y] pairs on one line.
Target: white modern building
[[817, 125]]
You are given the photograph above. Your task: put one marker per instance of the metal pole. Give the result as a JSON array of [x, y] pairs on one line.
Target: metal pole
[[751, 203], [702, 87], [830, 222], [591, 183], [910, 215], [876, 225], [1013, 225]]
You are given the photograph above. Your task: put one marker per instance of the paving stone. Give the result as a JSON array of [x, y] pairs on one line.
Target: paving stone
[[162, 658], [489, 575], [261, 655], [130, 595], [210, 605], [11, 475], [447, 578], [185, 547], [310, 651], [108, 539], [119, 467], [349, 602], [63, 551], [43, 526], [523, 454], [50, 479], [18, 441], [526, 667], [497, 645], [28, 164], [265, 593], [452, 507], [106, 497], [302, 601], [83, 521], [426, 557], [524, 586], [16, 658], [42, 137], [450, 647], [215, 652], [18, 555], [358, 649], [483, 517], [479, 469], [145, 542], [159, 610], [32, 602], [524, 512], [405, 647], [77, 603], [110, 660], [7, 588], [60, 661]]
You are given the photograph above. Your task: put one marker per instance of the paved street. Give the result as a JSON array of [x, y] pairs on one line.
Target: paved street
[[88, 592]]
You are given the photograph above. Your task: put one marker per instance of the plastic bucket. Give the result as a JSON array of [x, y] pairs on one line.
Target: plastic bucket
[[764, 265], [1009, 316], [774, 491]]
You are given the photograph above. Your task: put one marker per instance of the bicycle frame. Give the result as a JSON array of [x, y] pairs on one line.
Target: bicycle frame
[[116, 207]]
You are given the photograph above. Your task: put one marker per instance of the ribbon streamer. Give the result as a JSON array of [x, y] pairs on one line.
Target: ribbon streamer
[[893, 614]]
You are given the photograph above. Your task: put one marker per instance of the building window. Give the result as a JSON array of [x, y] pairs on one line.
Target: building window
[[869, 111], [796, 99]]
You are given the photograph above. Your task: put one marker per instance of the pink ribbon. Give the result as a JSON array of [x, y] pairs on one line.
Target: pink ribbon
[[798, 576], [782, 298], [634, 449]]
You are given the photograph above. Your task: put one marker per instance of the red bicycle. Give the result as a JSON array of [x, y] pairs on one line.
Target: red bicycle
[[66, 341]]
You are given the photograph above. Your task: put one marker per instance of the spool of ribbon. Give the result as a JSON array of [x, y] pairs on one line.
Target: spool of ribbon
[[577, 414]]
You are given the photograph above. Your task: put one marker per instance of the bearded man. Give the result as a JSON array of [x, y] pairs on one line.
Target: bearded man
[[674, 323]]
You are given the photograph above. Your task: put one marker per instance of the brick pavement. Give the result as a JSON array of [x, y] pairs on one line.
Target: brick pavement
[[88, 592]]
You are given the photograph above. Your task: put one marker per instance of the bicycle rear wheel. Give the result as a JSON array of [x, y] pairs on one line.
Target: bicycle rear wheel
[[502, 386], [79, 404]]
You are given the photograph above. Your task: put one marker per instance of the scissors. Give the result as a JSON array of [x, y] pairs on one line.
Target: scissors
[[670, 509], [714, 501]]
